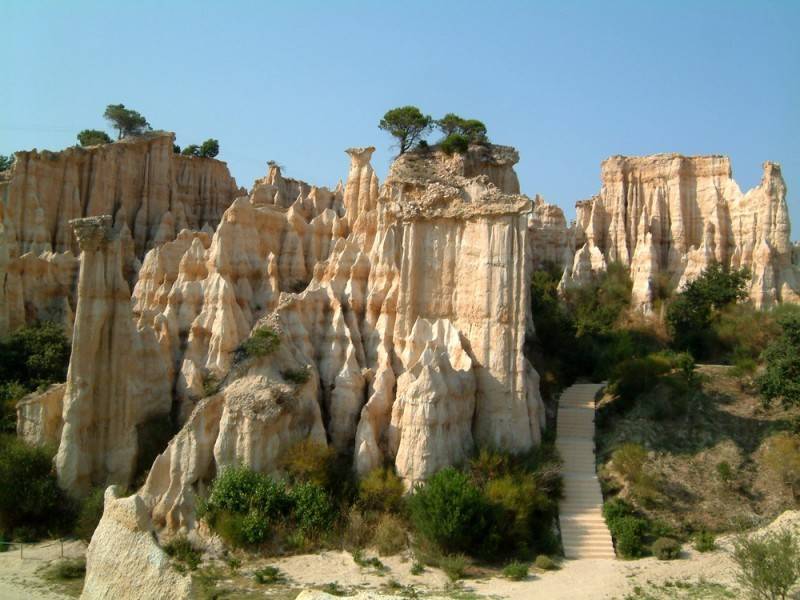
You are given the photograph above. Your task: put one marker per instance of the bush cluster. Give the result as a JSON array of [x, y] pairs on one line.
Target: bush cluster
[[33, 357], [666, 548], [261, 342], [31, 503], [503, 506], [247, 508], [781, 379], [627, 527], [693, 312], [768, 565]]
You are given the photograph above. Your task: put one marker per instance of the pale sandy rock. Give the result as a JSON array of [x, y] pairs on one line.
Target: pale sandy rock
[[116, 377], [674, 215], [124, 562], [39, 416], [431, 426], [141, 175]]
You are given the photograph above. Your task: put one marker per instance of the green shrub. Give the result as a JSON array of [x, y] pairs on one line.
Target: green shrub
[[268, 575], [244, 505], [781, 379], [390, 535], [210, 384], [297, 376], [705, 541], [261, 342], [313, 509], [93, 137], [181, 550], [516, 571], [334, 589], [65, 570], [634, 377], [373, 562], [665, 548], [31, 502], [626, 527], [11, 392], [381, 490], [628, 460], [725, 472], [310, 461], [545, 563], [450, 511], [89, 514], [417, 568], [629, 533], [35, 356], [515, 501], [691, 315], [454, 566], [767, 565], [455, 143]]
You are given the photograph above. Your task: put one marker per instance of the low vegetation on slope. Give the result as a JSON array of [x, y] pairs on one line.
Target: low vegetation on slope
[[494, 509], [684, 450]]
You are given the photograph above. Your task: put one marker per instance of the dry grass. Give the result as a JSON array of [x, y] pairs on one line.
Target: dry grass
[[727, 423]]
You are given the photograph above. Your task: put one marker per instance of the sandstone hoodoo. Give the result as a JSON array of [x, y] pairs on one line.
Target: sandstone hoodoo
[[388, 322], [667, 217]]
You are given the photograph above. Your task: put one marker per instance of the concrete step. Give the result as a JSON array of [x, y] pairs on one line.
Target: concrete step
[[583, 530]]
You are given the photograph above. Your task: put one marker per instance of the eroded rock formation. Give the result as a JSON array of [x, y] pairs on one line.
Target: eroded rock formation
[[669, 216], [116, 379], [399, 312], [152, 193]]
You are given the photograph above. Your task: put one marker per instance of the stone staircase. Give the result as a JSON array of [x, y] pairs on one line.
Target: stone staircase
[[583, 529]]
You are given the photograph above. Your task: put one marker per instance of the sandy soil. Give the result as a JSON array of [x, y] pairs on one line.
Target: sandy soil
[[18, 578], [576, 580]]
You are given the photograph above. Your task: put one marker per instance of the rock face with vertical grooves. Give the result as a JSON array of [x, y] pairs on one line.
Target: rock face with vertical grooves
[[667, 217], [583, 530]]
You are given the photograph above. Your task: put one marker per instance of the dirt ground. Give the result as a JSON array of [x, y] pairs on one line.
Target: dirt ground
[[18, 576], [696, 575]]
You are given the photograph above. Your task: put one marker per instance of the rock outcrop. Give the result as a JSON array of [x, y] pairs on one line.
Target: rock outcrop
[[396, 315], [404, 307], [115, 379], [669, 216], [140, 176], [152, 193], [123, 559], [39, 420]]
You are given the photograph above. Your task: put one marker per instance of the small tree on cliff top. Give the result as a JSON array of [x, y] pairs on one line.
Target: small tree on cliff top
[[125, 121], [93, 137], [407, 124]]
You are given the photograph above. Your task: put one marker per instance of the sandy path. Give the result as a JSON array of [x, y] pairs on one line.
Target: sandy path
[[589, 579], [18, 579]]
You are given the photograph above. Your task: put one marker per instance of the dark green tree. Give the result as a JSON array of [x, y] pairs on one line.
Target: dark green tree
[[209, 148], [781, 379], [450, 123], [176, 149], [691, 314], [6, 162], [407, 124], [191, 150], [126, 121], [474, 130], [31, 503], [93, 137]]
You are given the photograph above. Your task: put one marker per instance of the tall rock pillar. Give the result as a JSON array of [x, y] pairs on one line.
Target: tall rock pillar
[[98, 440]]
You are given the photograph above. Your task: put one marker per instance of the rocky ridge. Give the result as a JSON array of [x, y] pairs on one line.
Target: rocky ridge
[[404, 306]]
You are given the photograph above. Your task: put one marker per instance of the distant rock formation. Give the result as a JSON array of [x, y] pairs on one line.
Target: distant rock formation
[[669, 216], [151, 191]]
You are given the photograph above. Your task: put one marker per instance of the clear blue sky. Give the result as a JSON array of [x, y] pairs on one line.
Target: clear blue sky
[[567, 83]]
